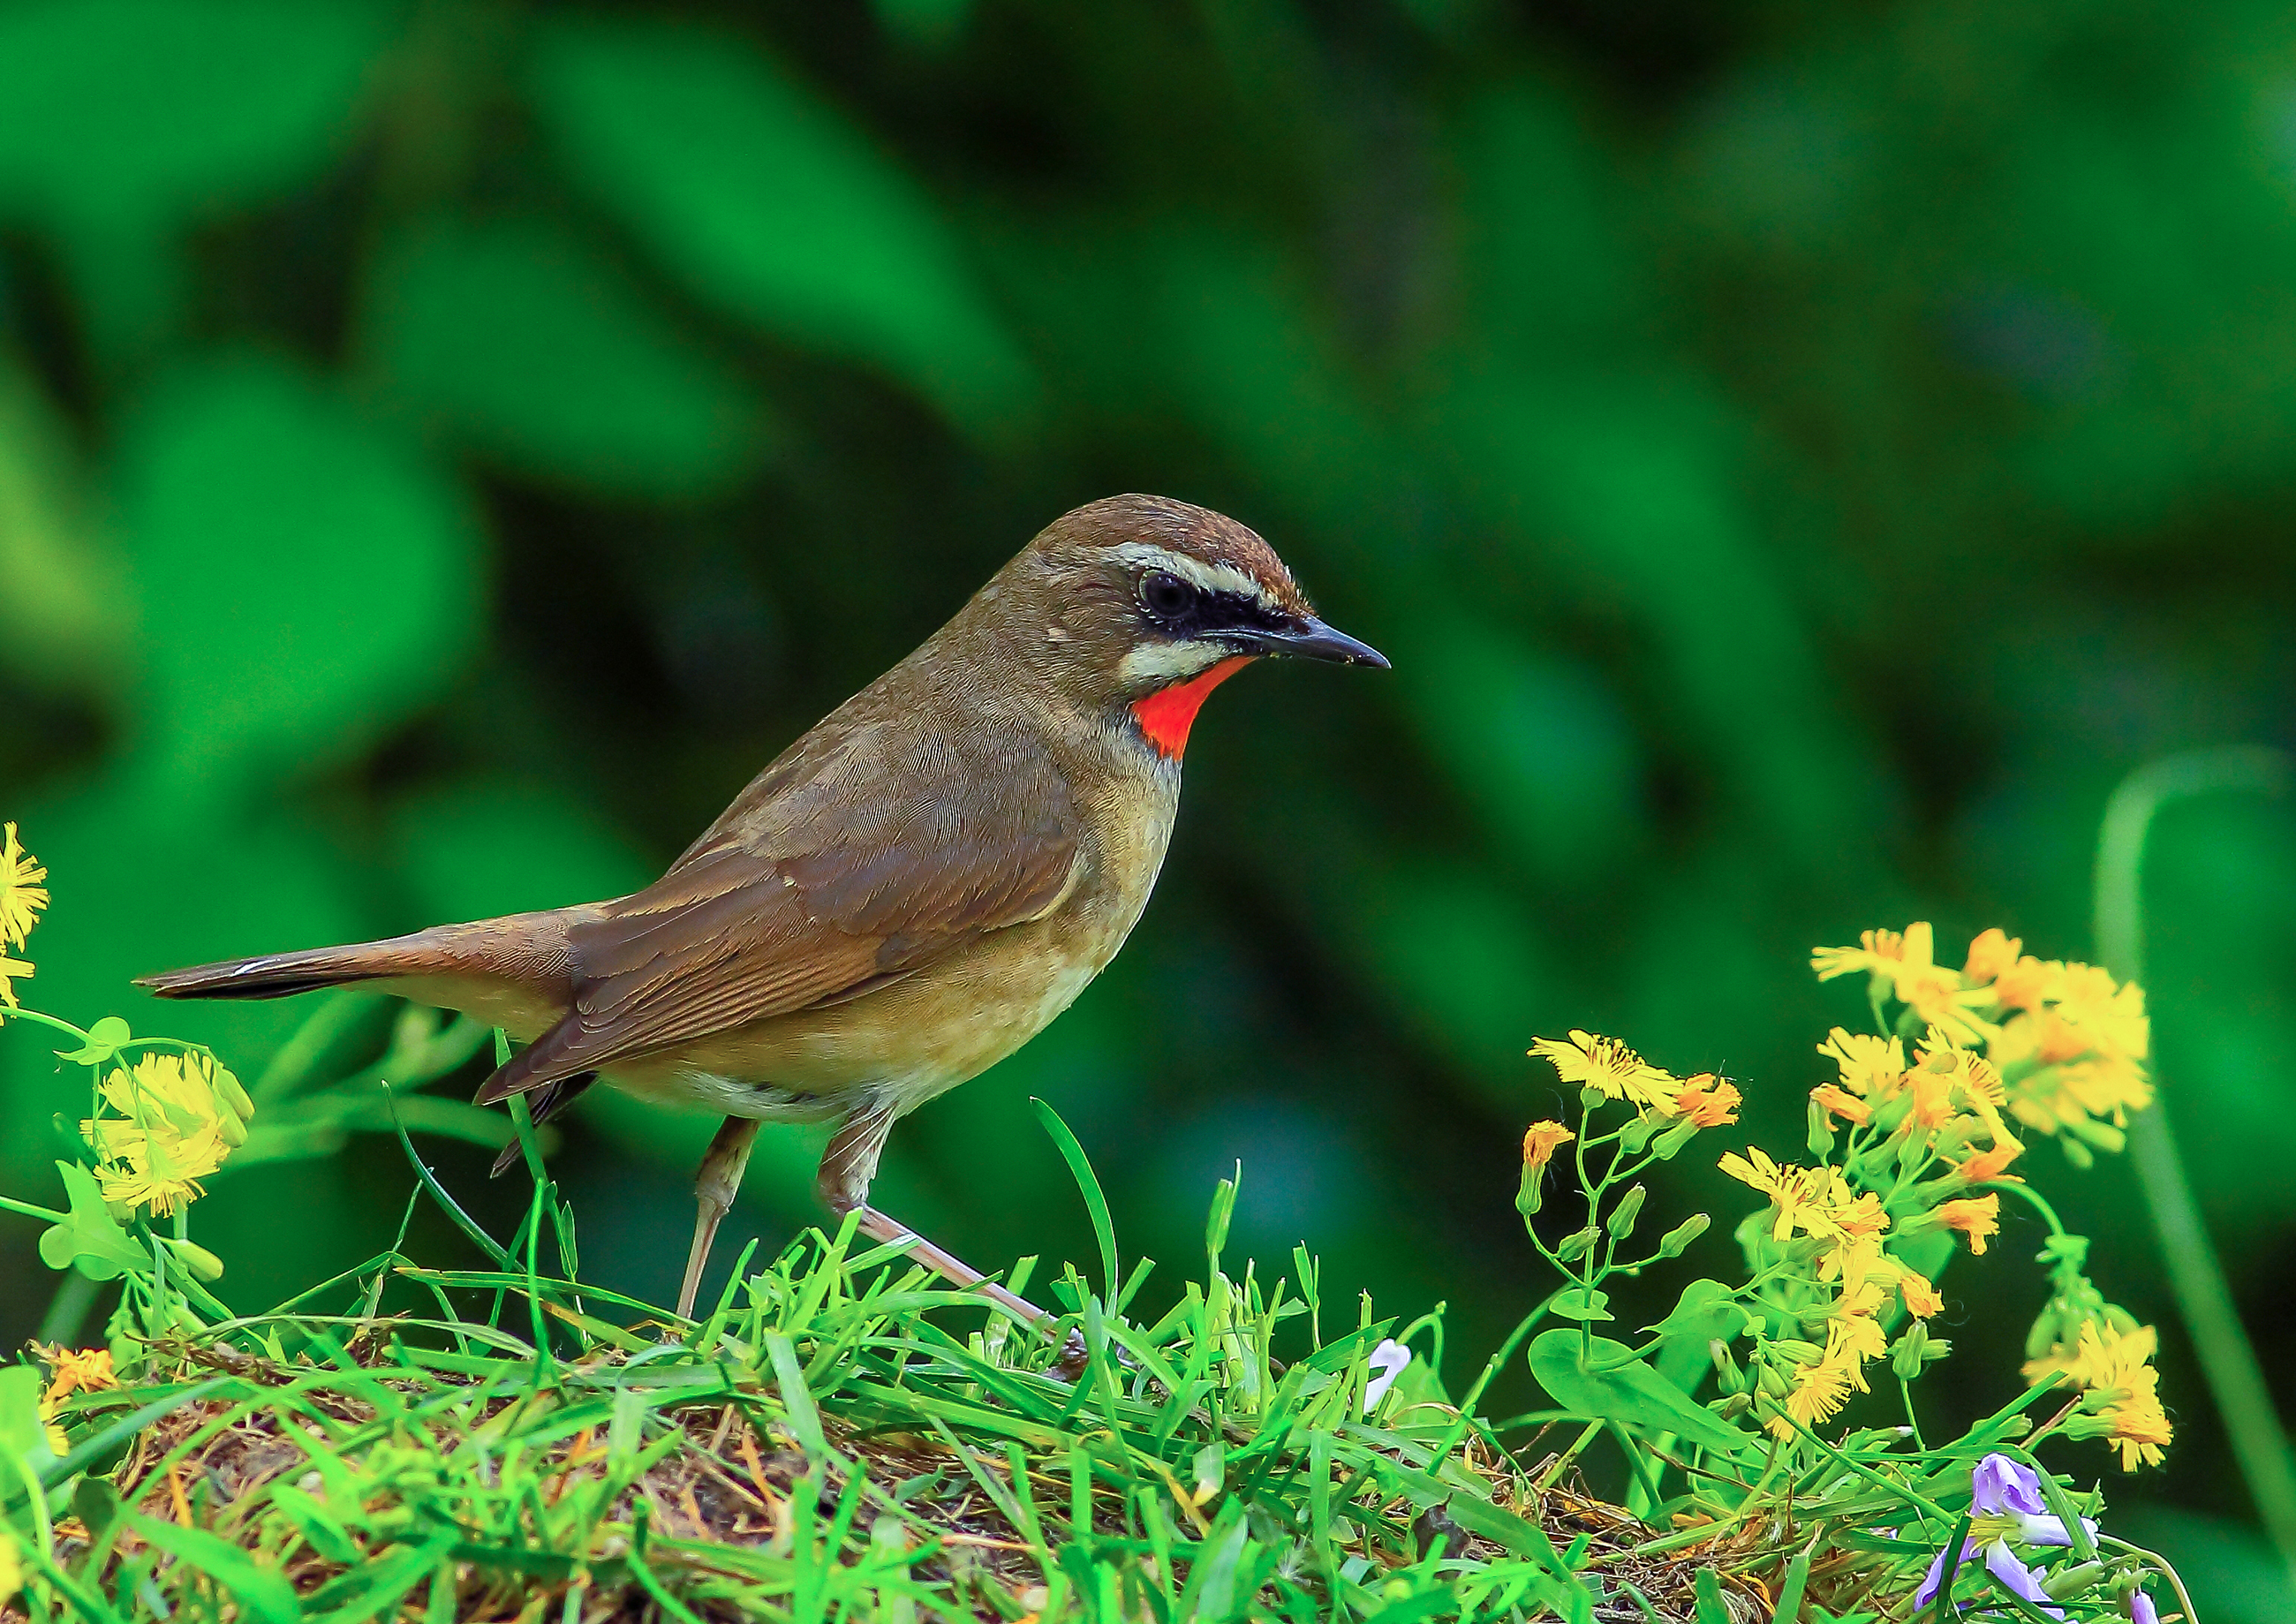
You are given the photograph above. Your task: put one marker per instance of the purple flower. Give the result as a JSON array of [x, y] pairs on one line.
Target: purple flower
[[2016, 1577], [2140, 1609], [2000, 1487], [2003, 1486]]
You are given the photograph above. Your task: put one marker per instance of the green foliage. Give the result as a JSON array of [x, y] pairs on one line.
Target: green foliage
[[769, 203], [520, 340]]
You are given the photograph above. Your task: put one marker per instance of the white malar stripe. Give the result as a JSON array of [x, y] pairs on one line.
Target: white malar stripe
[[1161, 664], [1208, 577]]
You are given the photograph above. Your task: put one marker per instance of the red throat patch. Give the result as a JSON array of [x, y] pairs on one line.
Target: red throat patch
[[1166, 715]]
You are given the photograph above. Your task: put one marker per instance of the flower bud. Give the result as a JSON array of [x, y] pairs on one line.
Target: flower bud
[[1798, 1352], [228, 1090], [1677, 1239], [1671, 1143], [1731, 1406], [1820, 1132], [203, 1264], [1906, 1357], [2105, 1135], [1593, 1099], [1576, 1244], [1771, 1381], [1529, 1193], [1732, 1380], [1621, 1221], [1914, 1149], [2048, 1326], [1635, 1137], [2067, 1584]]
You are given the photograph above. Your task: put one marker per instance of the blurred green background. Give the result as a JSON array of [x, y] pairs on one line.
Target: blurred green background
[[1798, 458]]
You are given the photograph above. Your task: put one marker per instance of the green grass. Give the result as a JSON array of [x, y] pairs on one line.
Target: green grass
[[820, 1444], [842, 1436]]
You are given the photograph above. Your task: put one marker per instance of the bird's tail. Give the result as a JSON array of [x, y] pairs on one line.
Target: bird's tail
[[277, 975]]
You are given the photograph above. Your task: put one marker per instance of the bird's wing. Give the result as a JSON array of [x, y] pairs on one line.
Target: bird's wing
[[869, 860]]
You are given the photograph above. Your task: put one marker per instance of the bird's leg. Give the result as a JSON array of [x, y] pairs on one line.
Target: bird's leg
[[847, 1166], [715, 1184]]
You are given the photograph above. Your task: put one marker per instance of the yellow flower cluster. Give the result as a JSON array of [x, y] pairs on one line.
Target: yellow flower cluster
[[1846, 1255], [21, 899], [2121, 1400], [1616, 1072], [2064, 1045], [2058, 1047], [178, 1117], [1953, 1095]]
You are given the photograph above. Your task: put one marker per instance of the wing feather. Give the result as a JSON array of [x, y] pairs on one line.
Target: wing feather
[[817, 886]]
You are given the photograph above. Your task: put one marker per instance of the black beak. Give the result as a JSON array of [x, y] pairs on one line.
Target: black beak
[[1308, 639]]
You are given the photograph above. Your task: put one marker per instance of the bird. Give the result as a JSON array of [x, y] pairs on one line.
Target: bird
[[908, 893]]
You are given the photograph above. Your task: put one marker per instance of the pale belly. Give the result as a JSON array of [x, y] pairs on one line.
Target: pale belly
[[899, 1045]]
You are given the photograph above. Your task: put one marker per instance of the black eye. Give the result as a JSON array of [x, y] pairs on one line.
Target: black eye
[[1167, 596]]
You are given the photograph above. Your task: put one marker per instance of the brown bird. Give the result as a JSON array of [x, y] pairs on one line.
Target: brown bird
[[908, 894]]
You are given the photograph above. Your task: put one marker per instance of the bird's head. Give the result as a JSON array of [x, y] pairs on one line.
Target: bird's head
[[1143, 605]]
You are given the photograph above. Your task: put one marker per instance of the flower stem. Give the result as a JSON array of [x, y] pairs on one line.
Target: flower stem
[[2259, 1443], [37, 1018]]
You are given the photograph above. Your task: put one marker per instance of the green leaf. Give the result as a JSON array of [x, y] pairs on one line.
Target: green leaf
[[153, 110], [103, 1041], [264, 1592], [24, 1435], [1581, 1304], [306, 580], [1705, 1312], [1104, 1228], [771, 205], [1609, 1384], [524, 343], [92, 1240]]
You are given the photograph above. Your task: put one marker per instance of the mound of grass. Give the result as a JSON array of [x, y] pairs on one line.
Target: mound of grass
[[821, 1445]]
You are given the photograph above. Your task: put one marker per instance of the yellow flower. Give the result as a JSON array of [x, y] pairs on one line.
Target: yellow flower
[[2124, 1399], [2028, 983], [1607, 1065], [2109, 1084], [1540, 1141], [1989, 956], [1707, 1101], [1987, 1167], [170, 1132], [17, 969], [2106, 1012], [70, 1371], [1846, 1105], [1922, 1299], [1785, 1187], [1854, 1338], [1906, 963], [21, 894], [1975, 1216], [11, 1566], [1819, 1391], [1869, 1065], [76, 1370]]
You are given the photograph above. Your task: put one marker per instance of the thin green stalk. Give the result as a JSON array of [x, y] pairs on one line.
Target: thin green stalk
[[2259, 1443]]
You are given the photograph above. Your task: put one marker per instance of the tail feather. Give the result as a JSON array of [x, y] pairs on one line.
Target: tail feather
[[279, 975]]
